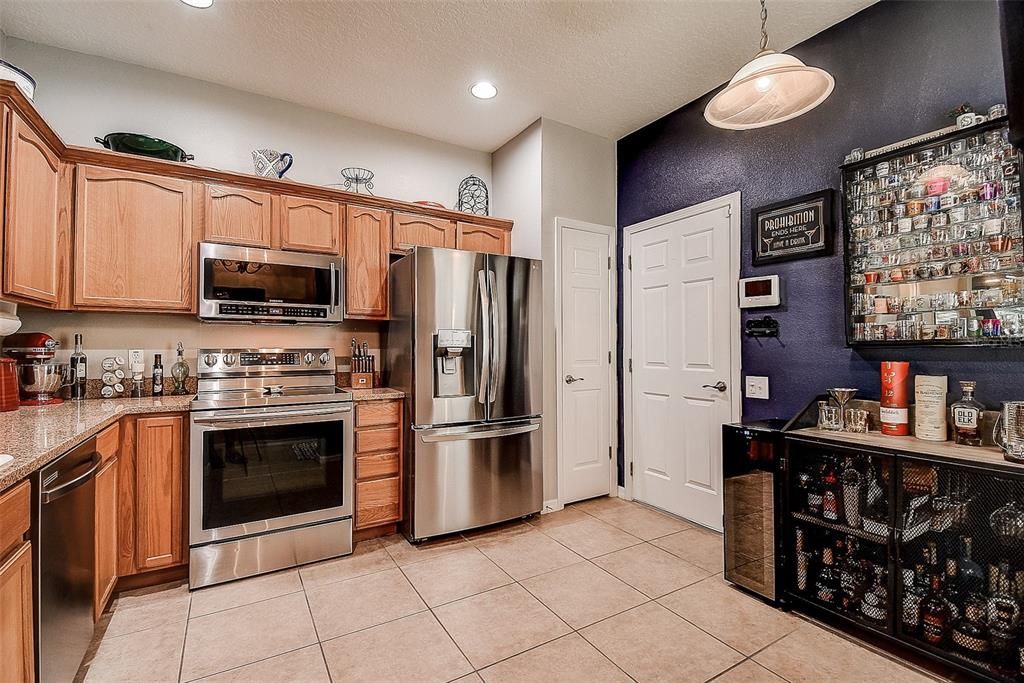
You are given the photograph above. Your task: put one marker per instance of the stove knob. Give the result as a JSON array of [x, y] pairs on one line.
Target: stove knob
[[210, 359], [229, 359], [308, 358], [325, 358]]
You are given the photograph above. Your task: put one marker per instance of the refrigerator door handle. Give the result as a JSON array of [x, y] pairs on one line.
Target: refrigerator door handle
[[475, 432], [485, 316], [492, 390]]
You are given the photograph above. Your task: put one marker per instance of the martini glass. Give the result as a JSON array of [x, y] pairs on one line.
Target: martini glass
[[842, 396]]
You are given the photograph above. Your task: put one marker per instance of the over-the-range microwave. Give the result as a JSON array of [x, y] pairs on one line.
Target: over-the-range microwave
[[244, 284]]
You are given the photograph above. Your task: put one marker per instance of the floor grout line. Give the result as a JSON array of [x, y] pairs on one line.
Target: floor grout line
[[440, 623], [184, 640]]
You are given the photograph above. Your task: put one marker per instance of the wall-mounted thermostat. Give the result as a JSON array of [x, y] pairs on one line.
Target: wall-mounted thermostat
[[759, 292]]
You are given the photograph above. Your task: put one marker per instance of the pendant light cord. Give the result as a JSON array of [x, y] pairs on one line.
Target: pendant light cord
[[764, 26]]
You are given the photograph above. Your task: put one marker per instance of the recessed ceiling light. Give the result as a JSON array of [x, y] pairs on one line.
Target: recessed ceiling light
[[483, 90], [198, 4]]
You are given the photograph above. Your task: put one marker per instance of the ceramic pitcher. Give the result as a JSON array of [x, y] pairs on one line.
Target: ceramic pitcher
[[270, 163]]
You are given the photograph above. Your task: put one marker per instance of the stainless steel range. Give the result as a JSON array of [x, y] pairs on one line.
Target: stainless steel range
[[270, 463]]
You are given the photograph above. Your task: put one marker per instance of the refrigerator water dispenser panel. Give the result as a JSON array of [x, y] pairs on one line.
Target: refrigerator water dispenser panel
[[453, 376]]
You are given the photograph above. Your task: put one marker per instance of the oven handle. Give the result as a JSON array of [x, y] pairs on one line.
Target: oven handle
[[271, 419]]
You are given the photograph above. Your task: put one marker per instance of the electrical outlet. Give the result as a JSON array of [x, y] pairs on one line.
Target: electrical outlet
[[757, 387]]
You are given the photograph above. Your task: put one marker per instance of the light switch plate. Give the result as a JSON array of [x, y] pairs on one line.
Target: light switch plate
[[757, 387]]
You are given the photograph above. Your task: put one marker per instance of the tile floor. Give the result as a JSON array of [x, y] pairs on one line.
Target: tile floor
[[604, 590]]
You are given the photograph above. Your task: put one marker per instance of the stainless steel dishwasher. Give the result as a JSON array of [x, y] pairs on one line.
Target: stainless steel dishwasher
[[64, 528]]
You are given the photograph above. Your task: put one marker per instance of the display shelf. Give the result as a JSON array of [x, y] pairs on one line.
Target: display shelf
[[839, 528]]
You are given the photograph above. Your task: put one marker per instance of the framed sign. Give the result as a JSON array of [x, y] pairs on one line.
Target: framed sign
[[796, 228]]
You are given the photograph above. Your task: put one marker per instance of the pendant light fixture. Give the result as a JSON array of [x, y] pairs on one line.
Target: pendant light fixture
[[771, 88]]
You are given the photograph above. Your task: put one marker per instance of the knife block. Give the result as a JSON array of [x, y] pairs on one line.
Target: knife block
[[362, 380]]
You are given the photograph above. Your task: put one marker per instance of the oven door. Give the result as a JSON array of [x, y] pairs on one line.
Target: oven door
[[254, 470]]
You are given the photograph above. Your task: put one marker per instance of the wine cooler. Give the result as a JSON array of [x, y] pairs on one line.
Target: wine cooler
[[922, 550]]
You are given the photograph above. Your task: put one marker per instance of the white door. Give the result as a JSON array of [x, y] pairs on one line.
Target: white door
[[585, 465], [682, 295]]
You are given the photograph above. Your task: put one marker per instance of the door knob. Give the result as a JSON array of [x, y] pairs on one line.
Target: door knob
[[717, 386], [569, 379]]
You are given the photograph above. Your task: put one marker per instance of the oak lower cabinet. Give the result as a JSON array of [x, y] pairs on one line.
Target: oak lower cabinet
[[135, 241], [473, 237], [235, 216], [152, 498], [37, 219], [378, 471], [312, 225], [409, 230], [107, 445], [17, 643], [367, 245]]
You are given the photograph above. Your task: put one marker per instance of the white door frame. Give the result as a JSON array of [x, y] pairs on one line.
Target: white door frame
[[609, 230], [732, 202]]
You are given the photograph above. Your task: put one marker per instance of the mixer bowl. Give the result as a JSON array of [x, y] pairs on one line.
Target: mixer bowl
[[40, 382]]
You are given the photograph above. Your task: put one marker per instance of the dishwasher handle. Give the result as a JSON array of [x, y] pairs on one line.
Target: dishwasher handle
[[50, 495]]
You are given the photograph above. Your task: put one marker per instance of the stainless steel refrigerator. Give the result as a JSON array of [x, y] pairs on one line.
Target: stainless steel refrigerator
[[464, 343]]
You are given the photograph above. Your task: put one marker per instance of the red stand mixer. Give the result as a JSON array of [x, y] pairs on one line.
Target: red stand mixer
[[39, 376]]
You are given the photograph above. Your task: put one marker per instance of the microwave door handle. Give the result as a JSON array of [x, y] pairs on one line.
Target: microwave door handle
[[485, 317], [334, 288]]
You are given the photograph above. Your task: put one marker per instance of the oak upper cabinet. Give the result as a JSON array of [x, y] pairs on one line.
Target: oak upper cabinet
[[37, 221], [235, 216], [151, 493], [409, 230], [367, 245], [473, 237], [310, 225], [135, 241], [17, 658], [106, 519]]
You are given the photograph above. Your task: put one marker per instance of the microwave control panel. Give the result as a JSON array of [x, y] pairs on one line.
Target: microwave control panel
[[257, 310]]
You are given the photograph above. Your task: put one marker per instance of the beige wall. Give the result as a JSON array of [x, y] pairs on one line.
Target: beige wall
[[516, 167], [108, 334], [83, 96]]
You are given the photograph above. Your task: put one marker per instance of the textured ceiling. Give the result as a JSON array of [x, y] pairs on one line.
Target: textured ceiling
[[605, 67]]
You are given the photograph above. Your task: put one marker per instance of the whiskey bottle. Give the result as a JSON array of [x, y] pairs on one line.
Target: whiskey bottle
[[79, 370], [1003, 620], [967, 417], [971, 637], [873, 605], [913, 595], [827, 582], [831, 492], [936, 618], [972, 578], [951, 589]]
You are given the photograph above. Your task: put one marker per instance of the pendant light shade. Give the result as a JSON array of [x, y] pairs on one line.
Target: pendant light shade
[[771, 88]]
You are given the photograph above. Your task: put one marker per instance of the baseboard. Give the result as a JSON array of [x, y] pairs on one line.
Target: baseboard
[[551, 506], [622, 492]]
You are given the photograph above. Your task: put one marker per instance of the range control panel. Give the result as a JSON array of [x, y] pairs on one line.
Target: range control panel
[[264, 361]]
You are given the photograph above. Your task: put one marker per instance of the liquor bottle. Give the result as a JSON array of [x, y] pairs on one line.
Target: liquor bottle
[[894, 413], [179, 371], [1003, 620], [911, 607], [967, 417], [852, 578], [971, 637], [936, 618], [972, 578], [158, 375], [831, 492], [827, 582], [79, 370], [951, 589], [873, 605], [803, 560]]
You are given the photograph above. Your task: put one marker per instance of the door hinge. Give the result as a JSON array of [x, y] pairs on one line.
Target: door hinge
[[631, 365], [609, 358], [609, 452], [782, 464], [631, 262], [631, 469], [609, 263]]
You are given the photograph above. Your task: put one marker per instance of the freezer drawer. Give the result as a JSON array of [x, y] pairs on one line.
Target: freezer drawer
[[465, 477]]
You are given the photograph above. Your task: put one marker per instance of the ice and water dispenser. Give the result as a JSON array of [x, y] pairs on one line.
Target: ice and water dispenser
[[454, 369]]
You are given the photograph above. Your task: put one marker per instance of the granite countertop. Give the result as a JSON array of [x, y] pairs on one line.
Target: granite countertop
[[377, 394], [36, 435]]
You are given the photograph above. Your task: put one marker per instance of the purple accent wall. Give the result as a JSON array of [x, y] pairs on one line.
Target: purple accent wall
[[899, 67]]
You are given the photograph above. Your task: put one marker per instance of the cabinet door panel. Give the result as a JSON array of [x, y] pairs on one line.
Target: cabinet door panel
[[235, 216], [106, 536], [310, 225], [158, 492], [378, 502], [368, 237], [17, 657], [134, 240], [410, 231], [37, 222], [472, 237], [377, 413]]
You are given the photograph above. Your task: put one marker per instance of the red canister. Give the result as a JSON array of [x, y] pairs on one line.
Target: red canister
[[895, 412], [9, 385]]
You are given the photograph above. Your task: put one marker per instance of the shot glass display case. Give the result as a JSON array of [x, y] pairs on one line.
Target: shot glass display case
[[933, 245], [925, 551]]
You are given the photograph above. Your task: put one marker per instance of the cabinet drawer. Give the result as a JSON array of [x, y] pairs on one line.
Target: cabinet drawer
[[378, 502], [107, 441], [376, 413], [370, 440], [377, 465], [15, 516]]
